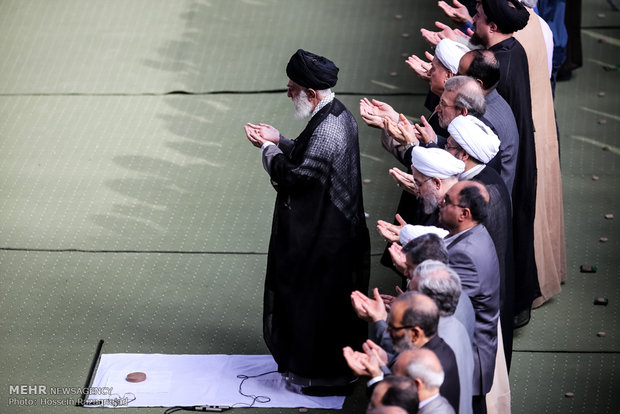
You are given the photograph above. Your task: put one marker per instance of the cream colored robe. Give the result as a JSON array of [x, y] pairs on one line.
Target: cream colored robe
[[549, 243]]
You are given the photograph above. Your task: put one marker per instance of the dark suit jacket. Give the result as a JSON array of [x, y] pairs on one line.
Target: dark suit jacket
[[450, 387], [499, 225], [500, 118], [472, 255]]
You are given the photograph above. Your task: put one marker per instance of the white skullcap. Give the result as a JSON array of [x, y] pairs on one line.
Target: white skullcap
[[477, 139], [435, 162], [450, 53], [410, 232]]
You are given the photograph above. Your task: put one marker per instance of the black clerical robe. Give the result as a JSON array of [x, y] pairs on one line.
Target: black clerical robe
[[514, 87], [319, 247]]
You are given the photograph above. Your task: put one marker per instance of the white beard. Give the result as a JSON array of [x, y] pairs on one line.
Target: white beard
[[303, 107]]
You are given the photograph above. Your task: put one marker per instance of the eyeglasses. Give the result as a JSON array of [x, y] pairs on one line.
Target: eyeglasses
[[452, 147], [446, 200], [391, 327], [420, 184], [443, 104]]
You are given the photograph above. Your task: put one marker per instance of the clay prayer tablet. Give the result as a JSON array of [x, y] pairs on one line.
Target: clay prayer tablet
[[136, 377]]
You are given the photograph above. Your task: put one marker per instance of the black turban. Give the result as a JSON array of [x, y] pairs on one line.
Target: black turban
[[312, 71], [508, 19]]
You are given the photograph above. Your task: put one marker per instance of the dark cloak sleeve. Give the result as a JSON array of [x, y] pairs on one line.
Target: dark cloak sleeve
[[319, 249]]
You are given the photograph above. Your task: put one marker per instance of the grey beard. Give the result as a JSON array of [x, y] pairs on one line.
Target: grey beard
[[431, 200], [303, 107], [403, 344], [430, 205]]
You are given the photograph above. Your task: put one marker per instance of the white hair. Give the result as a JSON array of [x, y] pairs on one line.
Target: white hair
[[425, 373], [323, 93], [303, 107]]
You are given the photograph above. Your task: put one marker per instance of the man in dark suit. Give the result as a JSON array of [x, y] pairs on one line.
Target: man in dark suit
[[412, 324], [474, 143], [472, 254]]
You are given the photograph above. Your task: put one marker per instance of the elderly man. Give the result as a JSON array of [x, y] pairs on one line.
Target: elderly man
[[412, 324], [472, 255], [494, 25], [398, 391], [462, 95], [319, 247], [381, 115], [425, 248], [423, 366], [484, 67], [443, 285], [434, 172], [399, 136]]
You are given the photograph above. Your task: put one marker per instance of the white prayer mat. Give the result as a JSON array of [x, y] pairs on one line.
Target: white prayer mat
[[195, 380]]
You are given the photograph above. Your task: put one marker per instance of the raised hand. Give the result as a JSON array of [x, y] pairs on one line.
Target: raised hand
[[458, 13], [420, 66], [445, 32], [425, 133], [405, 181], [368, 309], [259, 134]]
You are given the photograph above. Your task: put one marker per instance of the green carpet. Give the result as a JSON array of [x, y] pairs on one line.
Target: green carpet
[[141, 217]]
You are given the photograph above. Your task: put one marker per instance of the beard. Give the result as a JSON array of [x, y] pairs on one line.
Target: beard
[[476, 40], [430, 201], [303, 107], [442, 122], [402, 344]]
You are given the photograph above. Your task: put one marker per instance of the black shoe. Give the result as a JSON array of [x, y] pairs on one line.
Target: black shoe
[[521, 319], [326, 391]]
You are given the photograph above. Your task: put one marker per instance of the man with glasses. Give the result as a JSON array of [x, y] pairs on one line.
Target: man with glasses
[[475, 144], [482, 66], [434, 172], [412, 324], [472, 255]]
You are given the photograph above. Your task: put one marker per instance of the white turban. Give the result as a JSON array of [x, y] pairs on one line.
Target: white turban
[[435, 162], [450, 53], [477, 139], [410, 232]]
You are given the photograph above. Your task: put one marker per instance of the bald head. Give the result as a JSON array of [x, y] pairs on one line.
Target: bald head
[[426, 367], [474, 196], [402, 361], [423, 366], [395, 391], [481, 65], [464, 206], [416, 309]]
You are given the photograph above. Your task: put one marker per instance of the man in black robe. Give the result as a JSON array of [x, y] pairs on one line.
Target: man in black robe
[[319, 247], [494, 24]]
